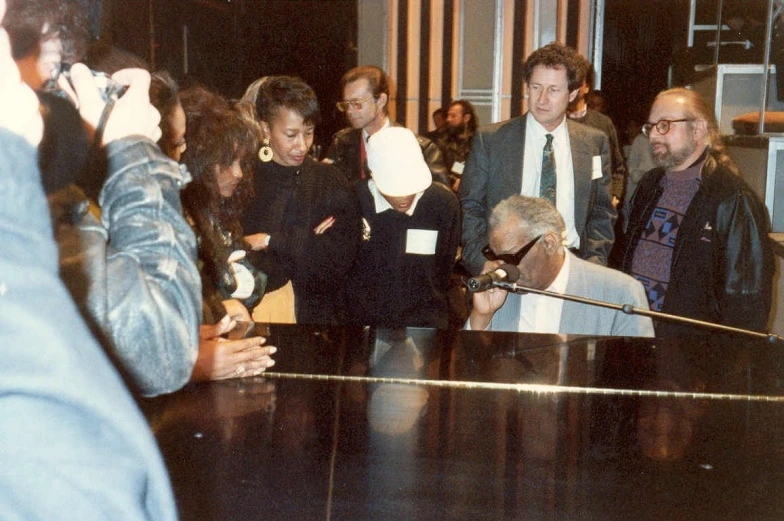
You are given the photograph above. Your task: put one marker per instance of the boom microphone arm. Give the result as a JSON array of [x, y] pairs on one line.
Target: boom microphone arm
[[631, 310]]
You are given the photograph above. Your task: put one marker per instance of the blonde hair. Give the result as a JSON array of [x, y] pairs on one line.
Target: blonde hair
[[252, 92]]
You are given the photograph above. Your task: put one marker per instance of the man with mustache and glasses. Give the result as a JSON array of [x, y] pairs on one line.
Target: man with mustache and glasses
[[698, 235], [365, 96]]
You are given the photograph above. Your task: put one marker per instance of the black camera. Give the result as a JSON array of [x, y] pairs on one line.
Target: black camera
[[110, 90]]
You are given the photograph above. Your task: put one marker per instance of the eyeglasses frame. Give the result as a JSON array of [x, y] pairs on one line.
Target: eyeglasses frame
[[669, 122], [511, 258], [343, 106]]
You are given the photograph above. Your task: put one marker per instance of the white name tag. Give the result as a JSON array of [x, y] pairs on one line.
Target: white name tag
[[458, 167], [421, 242], [597, 167]]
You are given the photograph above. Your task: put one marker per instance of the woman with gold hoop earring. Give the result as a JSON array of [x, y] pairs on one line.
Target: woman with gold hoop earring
[[265, 152], [303, 224]]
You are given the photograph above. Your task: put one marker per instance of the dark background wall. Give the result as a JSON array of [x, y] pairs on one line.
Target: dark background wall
[[640, 40], [231, 44]]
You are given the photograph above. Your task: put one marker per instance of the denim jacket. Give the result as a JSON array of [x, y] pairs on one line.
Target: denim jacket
[[133, 272], [68, 424]]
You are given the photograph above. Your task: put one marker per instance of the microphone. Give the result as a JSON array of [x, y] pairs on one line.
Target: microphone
[[504, 273]]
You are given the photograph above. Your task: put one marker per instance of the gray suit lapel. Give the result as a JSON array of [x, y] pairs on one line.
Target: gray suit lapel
[[572, 313], [514, 155], [582, 166]]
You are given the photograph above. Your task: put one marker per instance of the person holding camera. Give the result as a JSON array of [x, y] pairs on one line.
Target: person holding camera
[[74, 443], [132, 271]]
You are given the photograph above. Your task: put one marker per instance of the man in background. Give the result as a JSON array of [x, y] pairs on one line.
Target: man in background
[[580, 111], [439, 120], [365, 97], [461, 124]]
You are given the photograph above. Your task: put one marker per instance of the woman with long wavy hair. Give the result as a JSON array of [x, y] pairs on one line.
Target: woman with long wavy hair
[[221, 141]]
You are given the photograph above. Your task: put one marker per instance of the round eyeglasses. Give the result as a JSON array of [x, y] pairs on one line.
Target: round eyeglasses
[[662, 126], [354, 104]]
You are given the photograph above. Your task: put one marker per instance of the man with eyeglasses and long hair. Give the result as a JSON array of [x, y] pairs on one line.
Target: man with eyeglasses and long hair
[[365, 97], [526, 235], [697, 237]]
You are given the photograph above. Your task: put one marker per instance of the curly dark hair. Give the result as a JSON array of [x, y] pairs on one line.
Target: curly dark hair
[[555, 55], [218, 133], [289, 92], [30, 22]]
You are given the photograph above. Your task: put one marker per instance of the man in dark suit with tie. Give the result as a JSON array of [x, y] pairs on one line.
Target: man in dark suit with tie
[[542, 154]]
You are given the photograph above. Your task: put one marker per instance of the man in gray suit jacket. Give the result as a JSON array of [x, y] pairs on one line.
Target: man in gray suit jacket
[[506, 159], [527, 232]]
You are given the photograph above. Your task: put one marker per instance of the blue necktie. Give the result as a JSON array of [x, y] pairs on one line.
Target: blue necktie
[[547, 182]]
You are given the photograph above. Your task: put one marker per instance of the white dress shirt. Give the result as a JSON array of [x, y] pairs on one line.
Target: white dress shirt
[[387, 124], [532, 171], [541, 313]]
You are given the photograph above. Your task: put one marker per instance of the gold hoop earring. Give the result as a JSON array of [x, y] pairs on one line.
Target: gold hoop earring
[[265, 152]]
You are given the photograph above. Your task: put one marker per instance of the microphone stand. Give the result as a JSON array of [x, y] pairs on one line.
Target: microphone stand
[[631, 310]]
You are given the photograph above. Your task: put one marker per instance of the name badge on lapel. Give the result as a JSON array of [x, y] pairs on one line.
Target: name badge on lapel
[[597, 168], [421, 242]]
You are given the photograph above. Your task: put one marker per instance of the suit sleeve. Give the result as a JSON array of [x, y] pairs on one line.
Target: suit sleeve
[[634, 325], [599, 233], [618, 164], [473, 199]]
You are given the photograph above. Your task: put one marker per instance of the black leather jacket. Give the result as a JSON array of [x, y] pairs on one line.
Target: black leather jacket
[[345, 150], [722, 265]]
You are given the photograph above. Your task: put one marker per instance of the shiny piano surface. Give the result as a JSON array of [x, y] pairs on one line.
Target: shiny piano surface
[[416, 424]]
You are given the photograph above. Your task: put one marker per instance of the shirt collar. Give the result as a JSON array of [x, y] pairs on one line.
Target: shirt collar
[[562, 279], [538, 131], [382, 205], [386, 124]]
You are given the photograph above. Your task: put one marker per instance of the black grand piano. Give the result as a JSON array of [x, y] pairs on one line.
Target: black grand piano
[[419, 424]]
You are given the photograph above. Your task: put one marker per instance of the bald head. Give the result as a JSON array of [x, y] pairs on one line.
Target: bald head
[[679, 128]]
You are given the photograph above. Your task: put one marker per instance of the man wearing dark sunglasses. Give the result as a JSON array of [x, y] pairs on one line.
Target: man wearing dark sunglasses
[[697, 236], [527, 233]]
